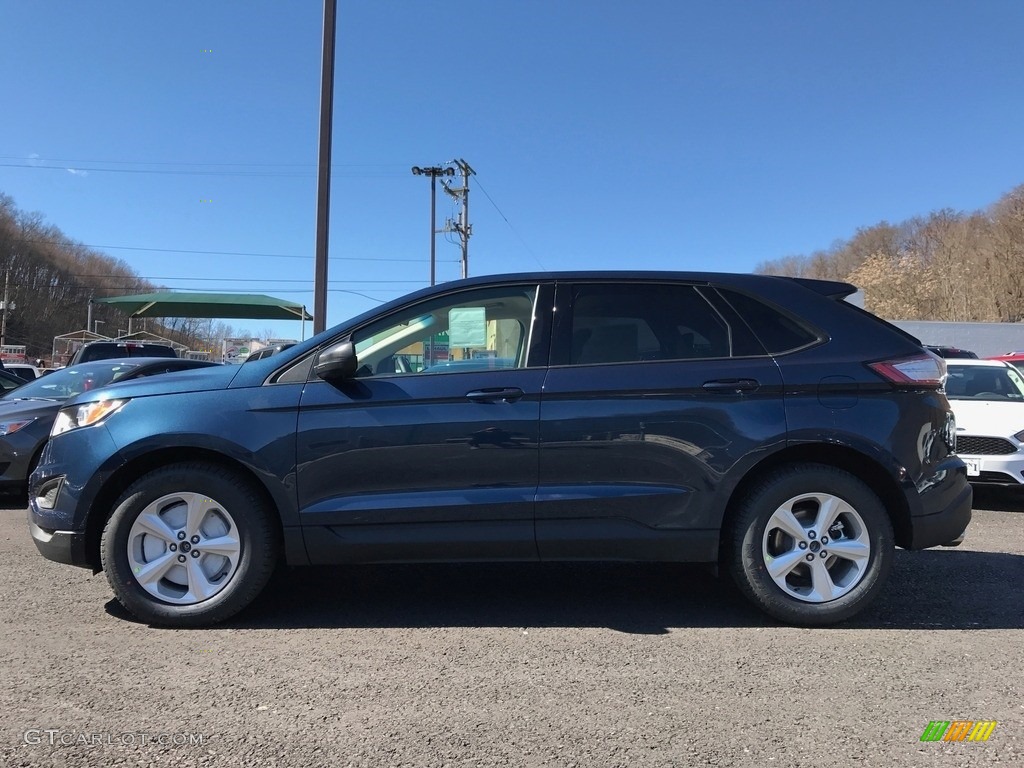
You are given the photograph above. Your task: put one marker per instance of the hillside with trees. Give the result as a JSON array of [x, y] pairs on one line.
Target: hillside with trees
[[948, 265], [51, 278]]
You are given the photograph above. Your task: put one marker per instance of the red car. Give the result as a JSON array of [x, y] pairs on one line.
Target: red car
[[1014, 358]]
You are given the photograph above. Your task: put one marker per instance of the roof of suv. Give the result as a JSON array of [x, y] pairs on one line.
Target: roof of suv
[[103, 350], [977, 362]]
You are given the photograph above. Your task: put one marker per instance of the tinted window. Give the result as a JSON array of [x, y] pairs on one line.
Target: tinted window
[[629, 323], [112, 350], [468, 331], [9, 382], [778, 331]]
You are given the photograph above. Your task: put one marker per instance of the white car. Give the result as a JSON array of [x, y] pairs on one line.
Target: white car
[[27, 371], [987, 397]]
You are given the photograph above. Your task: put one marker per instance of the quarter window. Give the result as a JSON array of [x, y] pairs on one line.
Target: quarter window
[[778, 332]]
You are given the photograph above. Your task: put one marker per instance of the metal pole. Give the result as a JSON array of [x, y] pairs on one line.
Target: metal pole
[[433, 173], [466, 172], [3, 323], [323, 204], [433, 227]]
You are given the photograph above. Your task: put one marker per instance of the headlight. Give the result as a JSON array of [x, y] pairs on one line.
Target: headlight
[[1020, 435], [84, 415], [10, 427]]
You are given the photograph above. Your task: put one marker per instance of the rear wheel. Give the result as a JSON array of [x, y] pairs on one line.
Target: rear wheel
[[811, 544], [188, 545]]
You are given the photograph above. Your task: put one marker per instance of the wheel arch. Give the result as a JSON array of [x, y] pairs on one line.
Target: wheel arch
[[103, 505], [861, 466]]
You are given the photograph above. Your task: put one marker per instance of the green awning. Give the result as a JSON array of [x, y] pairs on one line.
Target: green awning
[[215, 305]]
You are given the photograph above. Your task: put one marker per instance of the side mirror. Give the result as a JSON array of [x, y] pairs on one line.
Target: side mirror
[[337, 362]]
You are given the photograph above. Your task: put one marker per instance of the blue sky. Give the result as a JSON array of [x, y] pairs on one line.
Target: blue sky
[[645, 134]]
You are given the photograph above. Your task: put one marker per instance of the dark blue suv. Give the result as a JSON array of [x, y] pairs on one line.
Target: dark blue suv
[[758, 422]]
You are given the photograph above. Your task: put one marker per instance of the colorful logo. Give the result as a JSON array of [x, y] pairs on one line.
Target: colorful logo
[[958, 730]]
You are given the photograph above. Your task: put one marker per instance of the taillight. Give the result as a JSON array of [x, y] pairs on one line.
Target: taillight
[[916, 371]]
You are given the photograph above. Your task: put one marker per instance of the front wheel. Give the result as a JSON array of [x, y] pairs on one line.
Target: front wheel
[[811, 544], [188, 545]]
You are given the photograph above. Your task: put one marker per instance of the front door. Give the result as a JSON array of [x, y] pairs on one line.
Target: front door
[[431, 451]]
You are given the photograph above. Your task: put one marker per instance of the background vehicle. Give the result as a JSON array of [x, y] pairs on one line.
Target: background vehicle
[[259, 354], [27, 412], [655, 416], [107, 350], [25, 371], [9, 381], [987, 397], [1015, 359], [951, 352]]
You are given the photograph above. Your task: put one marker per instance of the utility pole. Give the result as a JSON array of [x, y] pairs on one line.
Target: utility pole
[[462, 227], [323, 199], [433, 172], [3, 323]]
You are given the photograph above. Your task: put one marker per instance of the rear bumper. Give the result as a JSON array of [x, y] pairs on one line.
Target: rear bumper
[[948, 522]]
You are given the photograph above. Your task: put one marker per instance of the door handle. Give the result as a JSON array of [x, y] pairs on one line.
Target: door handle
[[495, 394], [731, 386]]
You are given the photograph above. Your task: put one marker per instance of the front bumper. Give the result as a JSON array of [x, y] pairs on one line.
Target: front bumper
[[1004, 469], [71, 471], [60, 546]]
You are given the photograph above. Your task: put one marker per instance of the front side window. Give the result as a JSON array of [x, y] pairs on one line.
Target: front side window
[[632, 323], [472, 330]]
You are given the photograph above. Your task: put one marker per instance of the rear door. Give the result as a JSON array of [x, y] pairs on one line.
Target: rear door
[[657, 398]]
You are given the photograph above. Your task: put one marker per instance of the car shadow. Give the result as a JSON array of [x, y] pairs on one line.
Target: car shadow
[[1001, 498], [932, 589], [12, 501]]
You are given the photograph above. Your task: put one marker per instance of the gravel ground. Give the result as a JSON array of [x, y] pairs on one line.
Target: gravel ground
[[517, 665]]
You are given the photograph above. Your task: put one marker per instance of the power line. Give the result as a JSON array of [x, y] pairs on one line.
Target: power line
[[514, 231], [219, 253], [398, 291], [93, 169], [86, 165], [239, 279], [32, 160]]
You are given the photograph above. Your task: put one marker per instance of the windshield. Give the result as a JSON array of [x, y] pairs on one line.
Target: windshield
[[71, 381], [967, 382]]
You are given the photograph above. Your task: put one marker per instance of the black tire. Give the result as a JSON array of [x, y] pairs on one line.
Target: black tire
[[239, 577], [795, 600]]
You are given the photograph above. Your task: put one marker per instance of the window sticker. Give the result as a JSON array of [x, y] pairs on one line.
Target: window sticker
[[467, 327]]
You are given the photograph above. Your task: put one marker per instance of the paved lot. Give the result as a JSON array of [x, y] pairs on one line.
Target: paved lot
[[518, 666]]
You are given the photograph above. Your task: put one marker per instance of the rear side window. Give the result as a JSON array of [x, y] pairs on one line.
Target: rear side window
[[115, 350], [776, 330], [631, 323]]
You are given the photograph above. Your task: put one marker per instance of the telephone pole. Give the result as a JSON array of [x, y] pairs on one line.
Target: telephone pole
[[323, 185], [433, 172], [462, 226], [3, 323]]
